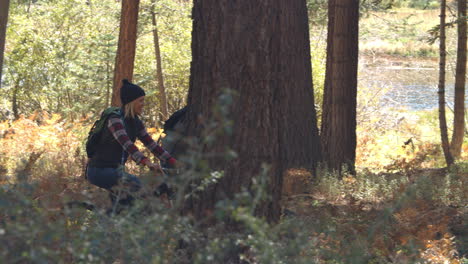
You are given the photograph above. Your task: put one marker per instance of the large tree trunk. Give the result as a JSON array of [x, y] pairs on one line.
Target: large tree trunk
[[126, 48], [442, 63], [460, 80], [159, 73], [4, 7], [338, 129], [259, 50]]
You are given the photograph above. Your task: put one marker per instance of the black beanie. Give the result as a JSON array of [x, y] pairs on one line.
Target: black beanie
[[130, 92]]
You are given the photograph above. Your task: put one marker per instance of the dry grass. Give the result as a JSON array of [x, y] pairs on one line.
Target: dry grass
[[399, 217], [402, 32], [401, 225]]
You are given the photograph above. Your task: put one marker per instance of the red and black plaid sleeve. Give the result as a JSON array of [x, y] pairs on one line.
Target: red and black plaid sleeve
[[157, 150], [117, 129]]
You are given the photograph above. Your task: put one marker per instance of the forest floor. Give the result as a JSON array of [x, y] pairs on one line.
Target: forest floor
[[392, 226], [421, 215], [401, 217], [410, 210]]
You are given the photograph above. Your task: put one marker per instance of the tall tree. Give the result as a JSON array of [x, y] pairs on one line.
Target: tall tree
[[338, 128], [441, 92], [124, 62], [4, 7], [261, 51], [159, 73], [460, 80]]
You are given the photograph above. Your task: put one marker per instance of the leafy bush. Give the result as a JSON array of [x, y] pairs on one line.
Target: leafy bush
[[366, 218]]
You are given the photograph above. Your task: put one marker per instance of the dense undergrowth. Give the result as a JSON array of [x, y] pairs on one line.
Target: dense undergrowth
[[399, 208]]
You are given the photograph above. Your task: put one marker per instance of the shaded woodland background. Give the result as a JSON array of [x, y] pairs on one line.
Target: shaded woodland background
[[295, 154]]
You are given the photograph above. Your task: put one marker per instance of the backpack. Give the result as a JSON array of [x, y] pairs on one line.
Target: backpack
[[170, 123], [95, 132]]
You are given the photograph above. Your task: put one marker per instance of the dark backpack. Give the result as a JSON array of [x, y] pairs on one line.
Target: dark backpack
[[95, 132], [177, 116]]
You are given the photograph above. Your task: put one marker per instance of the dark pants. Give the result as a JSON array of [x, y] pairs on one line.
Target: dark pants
[[122, 186]]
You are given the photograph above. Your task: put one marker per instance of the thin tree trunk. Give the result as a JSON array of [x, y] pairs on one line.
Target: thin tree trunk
[[108, 83], [460, 80], [442, 63], [4, 7], [338, 133], [124, 62], [109, 76], [159, 73], [260, 50], [14, 102], [327, 99]]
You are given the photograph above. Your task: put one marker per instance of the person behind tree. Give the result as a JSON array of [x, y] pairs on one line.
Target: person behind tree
[[106, 166]]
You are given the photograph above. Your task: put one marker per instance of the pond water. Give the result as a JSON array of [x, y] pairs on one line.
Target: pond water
[[412, 85]]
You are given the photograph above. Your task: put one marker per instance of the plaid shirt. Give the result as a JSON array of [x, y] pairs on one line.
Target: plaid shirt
[[117, 129]]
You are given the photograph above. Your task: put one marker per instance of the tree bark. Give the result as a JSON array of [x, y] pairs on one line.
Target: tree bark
[[15, 101], [108, 82], [124, 62], [159, 73], [4, 7], [460, 81], [441, 92], [338, 128], [260, 50]]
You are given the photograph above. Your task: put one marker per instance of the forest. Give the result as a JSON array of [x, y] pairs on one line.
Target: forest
[[305, 131]]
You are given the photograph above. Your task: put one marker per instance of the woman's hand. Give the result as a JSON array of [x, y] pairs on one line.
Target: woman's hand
[[175, 164], [153, 166]]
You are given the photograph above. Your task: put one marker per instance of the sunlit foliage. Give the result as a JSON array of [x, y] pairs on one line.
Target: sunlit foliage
[[60, 55]]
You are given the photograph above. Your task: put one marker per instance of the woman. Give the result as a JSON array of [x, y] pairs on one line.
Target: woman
[[106, 166]]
